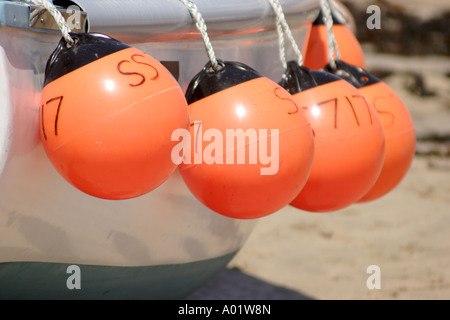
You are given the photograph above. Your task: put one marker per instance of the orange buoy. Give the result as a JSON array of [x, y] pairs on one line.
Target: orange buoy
[[348, 139], [400, 136], [107, 114], [251, 147], [316, 46], [398, 127]]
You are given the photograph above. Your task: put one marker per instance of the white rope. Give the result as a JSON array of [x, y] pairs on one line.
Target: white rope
[[201, 26], [333, 49], [282, 25], [62, 24], [338, 12], [281, 44]]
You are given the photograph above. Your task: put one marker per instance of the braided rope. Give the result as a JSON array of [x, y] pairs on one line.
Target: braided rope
[[337, 11], [201, 26], [61, 22], [282, 25], [281, 43], [332, 44]]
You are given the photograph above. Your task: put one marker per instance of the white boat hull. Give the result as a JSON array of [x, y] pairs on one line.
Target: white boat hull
[[162, 245]]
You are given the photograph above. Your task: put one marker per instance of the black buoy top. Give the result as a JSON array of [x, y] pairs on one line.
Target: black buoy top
[[356, 76], [299, 78], [209, 81], [88, 47], [319, 20]]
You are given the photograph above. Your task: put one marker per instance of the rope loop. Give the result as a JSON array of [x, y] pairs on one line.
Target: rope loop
[[61, 22]]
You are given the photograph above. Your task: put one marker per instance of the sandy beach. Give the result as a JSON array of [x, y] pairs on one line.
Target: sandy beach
[[301, 255]]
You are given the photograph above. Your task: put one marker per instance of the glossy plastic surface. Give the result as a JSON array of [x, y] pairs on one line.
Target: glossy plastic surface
[[209, 81], [131, 20], [348, 147], [400, 138], [355, 75], [316, 47], [257, 176], [106, 127], [298, 78], [88, 48], [397, 125]]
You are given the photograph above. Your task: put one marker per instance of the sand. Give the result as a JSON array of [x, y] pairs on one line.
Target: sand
[[326, 256], [295, 254]]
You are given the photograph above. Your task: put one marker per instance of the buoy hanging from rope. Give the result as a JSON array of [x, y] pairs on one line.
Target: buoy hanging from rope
[[397, 123], [398, 127], [348, 139], [107, 112], [316, 44], [251, 147]]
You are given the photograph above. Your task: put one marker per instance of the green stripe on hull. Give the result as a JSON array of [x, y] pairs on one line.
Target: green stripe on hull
[[39, 280]]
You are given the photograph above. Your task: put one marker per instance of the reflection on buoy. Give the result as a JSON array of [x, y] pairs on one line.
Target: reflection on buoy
[[398, 126], [316, 47], [241, 179], [348, 141], [108, 111]]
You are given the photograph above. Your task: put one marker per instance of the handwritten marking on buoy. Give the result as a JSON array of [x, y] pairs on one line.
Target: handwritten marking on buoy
[[60, 100], [143, 78]]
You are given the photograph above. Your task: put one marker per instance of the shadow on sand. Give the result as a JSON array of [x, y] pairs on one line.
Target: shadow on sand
[[232, 284]]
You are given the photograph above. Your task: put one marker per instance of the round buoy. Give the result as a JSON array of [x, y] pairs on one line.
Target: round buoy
[[398, 127], [348, 139], [316, 46], [251, 146], [107, 115]]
